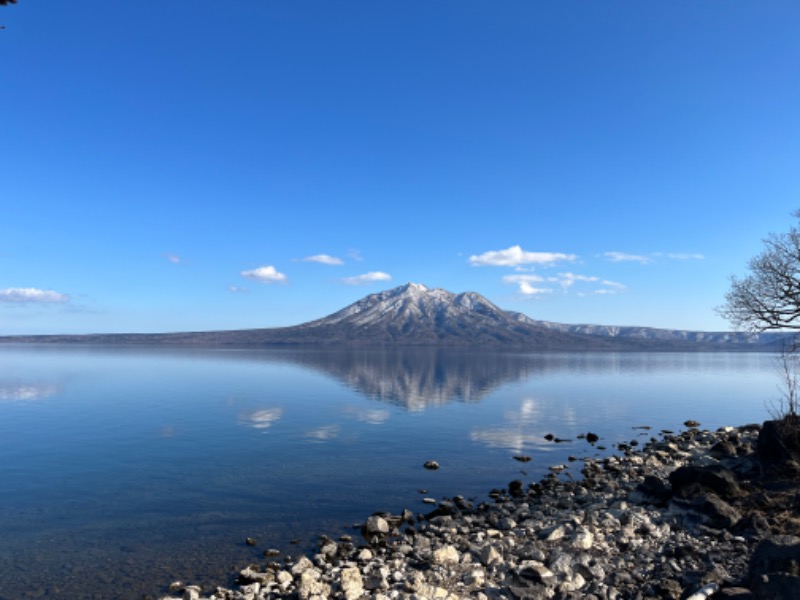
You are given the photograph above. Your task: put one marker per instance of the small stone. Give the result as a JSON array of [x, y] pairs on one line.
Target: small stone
[[490, 556], [522, 458], [377, 525], [583, 540], [446, 555], [429, 501], [691, 424], [250, 541], [431, 465]]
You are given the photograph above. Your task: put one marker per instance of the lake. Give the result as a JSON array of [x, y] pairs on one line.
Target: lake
[[124, 469]]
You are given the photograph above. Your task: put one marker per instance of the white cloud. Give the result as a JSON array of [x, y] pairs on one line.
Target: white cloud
[[173, 258], [683, 256], [524, 282], [235, 289], [323, 259], [355, 254], [515, 256], [31, 296], [623, 257], [367, 278], [566, 280], [266, 274]]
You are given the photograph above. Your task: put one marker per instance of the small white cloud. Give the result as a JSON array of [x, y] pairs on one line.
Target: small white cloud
[[235, 289], [173, 258], [613, 284], [527, 289], [624, 257], [566, 280], [524, 282], [515, 256], [367, 278], [323, 259], [266, 274], [31, 296], [683, 256], [355, 254]]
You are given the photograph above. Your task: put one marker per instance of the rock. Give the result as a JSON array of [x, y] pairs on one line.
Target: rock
[[776, 586], [654, 490], [780, 554], [431, 465], [705, 592], [716, 478], [352, 583], [592, 438], [736, 593], [583, 540], [302, 565], [191, 592], [310, 585], [446, 555], [490, 556], [250, 541], [516, 488], [691, 424], [429, 500], [376, 525], [522, 458]]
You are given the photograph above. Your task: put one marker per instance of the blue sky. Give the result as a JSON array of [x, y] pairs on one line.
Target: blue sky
[[192, 165]]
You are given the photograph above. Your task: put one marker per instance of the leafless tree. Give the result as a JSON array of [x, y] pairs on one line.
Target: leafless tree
[[769, 296]]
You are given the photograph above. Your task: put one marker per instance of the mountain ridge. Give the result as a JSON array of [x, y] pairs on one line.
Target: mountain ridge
[[415, 315]]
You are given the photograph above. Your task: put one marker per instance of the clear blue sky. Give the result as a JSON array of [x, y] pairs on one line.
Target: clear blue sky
[[190, 164]]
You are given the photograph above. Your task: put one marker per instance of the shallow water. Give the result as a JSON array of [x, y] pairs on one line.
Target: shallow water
[[122, 469]]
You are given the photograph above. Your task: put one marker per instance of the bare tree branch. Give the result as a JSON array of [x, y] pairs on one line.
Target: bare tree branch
[[768, 297]]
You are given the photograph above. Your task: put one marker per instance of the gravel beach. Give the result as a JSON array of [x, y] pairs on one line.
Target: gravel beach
[[696, 514]]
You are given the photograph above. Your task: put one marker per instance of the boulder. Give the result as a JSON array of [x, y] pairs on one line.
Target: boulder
[[716, 478]]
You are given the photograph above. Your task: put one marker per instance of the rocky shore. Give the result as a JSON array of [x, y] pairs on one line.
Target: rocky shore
[[698, 514]]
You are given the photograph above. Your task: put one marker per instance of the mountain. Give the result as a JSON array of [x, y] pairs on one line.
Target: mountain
[[414, 315]]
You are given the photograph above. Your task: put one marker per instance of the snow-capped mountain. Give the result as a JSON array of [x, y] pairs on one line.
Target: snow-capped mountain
[[415, 315]]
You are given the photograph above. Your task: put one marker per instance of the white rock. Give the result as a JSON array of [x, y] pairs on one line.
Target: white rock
[[446, 555], [352, 583]]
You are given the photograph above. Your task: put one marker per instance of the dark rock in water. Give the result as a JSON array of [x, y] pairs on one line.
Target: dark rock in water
[[691, 424], [780, 554], [561, 440], [431, 465], [549, 437], [250, 541], [522, 458], [516, 488], [716, 478], [592, 437], [271, 552]]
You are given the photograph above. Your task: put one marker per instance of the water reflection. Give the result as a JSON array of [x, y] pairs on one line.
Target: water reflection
[[17, 391], [261, 419]]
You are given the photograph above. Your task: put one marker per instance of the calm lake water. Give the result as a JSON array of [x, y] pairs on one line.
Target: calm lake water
[[122, 470]]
